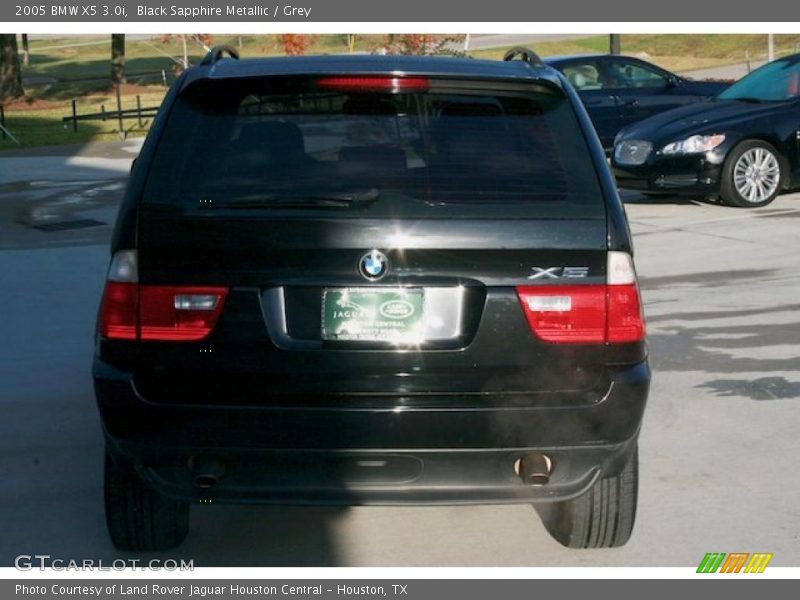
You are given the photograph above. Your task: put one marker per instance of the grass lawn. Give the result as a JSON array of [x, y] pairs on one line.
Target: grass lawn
[[41, 123], [44, 128]]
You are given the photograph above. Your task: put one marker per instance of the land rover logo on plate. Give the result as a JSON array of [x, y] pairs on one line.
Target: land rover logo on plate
[[373, 265], [396, 309]]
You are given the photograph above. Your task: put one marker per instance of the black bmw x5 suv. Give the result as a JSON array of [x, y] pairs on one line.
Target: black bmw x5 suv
[[371, 280]]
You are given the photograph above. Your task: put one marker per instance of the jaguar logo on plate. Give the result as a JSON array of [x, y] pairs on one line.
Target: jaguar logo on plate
[[373, 265]]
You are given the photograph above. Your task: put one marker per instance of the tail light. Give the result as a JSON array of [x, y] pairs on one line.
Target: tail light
[[118, 311], [623, 302], [588, 314], [131, 311], [178, 313], [373, 84]]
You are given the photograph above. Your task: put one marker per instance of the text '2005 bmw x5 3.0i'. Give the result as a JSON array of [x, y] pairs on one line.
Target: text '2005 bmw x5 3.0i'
[[371, 280]]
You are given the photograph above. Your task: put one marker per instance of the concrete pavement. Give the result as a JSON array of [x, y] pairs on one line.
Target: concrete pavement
[[718, 446], [67, 195]]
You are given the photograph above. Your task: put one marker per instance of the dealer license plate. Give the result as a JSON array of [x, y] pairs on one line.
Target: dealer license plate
[[373, 315]]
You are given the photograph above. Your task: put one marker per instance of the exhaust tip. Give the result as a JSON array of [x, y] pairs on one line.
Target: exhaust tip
[[534, 469], [208, 470]]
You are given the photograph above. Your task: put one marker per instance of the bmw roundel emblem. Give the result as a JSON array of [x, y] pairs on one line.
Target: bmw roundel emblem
[[373, 265]]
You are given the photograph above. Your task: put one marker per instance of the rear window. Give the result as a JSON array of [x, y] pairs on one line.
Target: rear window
[[356, 147]]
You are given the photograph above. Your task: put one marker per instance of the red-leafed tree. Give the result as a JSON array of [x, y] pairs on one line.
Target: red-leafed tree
[[294, 44]]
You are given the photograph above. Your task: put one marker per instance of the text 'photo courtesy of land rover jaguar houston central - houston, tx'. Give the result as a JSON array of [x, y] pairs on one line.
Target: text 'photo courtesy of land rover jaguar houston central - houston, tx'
[[371, 280]]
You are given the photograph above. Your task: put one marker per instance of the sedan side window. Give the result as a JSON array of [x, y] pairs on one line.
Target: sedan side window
[[634, 75], [583, 77]]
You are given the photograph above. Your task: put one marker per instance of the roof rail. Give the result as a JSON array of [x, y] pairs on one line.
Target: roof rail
[[528, 55], [218, 52]]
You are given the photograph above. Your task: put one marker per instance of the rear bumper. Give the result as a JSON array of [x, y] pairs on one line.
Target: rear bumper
[[371, 456]]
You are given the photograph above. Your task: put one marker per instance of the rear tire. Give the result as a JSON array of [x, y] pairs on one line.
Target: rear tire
[[138, 518], [602, 517]]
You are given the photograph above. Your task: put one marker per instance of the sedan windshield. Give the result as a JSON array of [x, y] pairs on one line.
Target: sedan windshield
[[774, 82]]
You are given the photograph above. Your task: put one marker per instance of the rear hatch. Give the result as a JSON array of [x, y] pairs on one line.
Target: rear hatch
[[359, 239]]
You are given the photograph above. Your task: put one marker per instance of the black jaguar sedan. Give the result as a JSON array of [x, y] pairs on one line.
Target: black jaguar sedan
[[743, 147]]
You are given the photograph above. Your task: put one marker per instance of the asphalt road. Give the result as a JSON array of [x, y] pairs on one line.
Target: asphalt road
[[718, 455]]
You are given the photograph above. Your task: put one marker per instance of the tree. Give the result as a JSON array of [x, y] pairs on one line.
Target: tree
[[294, 44], [117, 58], [10, 71], [26, 51]]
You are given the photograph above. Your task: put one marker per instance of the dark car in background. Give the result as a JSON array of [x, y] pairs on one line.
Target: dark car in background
[[620, 90], [743, 147], [371, 280]]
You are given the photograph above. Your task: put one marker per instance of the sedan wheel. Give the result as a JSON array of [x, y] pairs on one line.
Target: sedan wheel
[[752, 175]]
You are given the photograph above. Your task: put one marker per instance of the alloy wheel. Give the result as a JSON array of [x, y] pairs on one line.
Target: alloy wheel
[[757, 175]]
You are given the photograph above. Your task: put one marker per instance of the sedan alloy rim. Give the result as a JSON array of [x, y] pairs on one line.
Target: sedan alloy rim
[[756, 175]]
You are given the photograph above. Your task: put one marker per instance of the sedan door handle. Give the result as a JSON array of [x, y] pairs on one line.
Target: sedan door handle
[[633, 102]]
